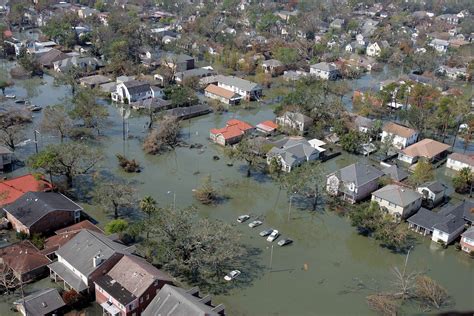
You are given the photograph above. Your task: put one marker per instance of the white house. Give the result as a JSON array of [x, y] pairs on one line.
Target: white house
[[432, 193], [132, 91], [293, 120], [323, 70], [293, 151], [441, 46], [401, 136], [458, 161], [374, 49], [398, 201]]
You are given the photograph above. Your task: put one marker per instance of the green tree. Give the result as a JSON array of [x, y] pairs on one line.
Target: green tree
[[286, 55], [56, 121], [249, 150], [206, 193], [351, 141], [86, 110], [116, 226], [464, 180], [164, 138], [266, 22], [12, 127], [148, 205], [423, 173], [66, 159], [114, 196]]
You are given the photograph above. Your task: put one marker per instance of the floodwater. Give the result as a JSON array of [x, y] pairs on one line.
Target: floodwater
[[329, 269]]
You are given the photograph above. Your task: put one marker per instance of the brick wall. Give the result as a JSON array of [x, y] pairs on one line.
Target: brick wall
[[53, 221]]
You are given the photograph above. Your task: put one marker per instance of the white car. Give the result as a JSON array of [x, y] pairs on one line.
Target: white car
[[232, 275], [266, 232], [242, 218], [274, 235], [255, 224]]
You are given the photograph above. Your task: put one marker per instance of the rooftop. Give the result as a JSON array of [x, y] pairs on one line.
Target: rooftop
[[467, 159], [23, 257], [16, 187], [400, 130], [42, 302], [359, 174], [427, 148], [398, 195]]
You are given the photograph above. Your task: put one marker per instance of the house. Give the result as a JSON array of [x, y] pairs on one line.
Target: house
[[177, 62], [53, 55], [432, 193], [441, 46], [397, 200], [246, 89], [83, 63], [294, 120], [453, 73], [267, 127], [354, 182], [467, 240], [86, 12], [337, 24], [175, 301], [361, 123], [44, 302], [400, 135], [375, 49], [25, 261], [42, 212], [129, 286], [98, 254], [232, 133], [445, 225], [93, 81], [223, 95], [427, 148], [132, 91], [14, 188], [293, 151], [452, 19], [324, 70], [5, 158], [457, 161], [273, 67], [62, 236], [181, 76], [188, 112], [395, 173]]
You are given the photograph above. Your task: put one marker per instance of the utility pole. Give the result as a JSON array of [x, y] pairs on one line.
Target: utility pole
[[36, 141], [271, 257]]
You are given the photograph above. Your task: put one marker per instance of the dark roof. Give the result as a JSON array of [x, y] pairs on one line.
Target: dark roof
[[185, 112], [465, 210], [359, 173], [426, 219], [42, 302], [33, 206], [136, 86], [434, 186], [395, 173], [23, 257], [175, 301], [51, 56], [115, 289]]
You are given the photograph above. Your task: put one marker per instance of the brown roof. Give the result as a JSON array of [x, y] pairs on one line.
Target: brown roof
[[399, 130], [136, 275], [212, 88], [427, 148], [85, 224], [23, 257], [51, 56], [467, 159]]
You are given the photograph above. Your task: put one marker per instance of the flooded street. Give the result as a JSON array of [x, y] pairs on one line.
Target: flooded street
[[342, 267]]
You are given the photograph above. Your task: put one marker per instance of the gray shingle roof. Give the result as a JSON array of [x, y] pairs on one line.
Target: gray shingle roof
[[426, 219], [175, 301], [324, 66], [89, 244], [434, 186], [395, 173], [469, 233], [42, 302], [397, 195], [240, 83], [359, 174], [33, 206], [136, 86]]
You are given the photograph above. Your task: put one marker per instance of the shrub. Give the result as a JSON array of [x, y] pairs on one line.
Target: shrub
[[128, 165]]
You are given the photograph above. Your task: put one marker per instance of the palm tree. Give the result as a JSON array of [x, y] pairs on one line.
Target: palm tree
[[148, 205]]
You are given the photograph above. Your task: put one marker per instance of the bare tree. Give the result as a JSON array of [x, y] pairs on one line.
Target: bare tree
[[56, 121], [166, 136], [11, 127], [430, 292], [8, 281], [382, 304]]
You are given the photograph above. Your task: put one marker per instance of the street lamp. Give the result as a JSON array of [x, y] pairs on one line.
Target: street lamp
[[289, 207], [174, 199], [271, 257], [36, 140]]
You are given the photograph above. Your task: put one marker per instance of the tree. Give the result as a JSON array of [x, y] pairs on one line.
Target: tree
[[250, 150], [114, 196], [308, 181], [181, 96], [430, 292], [351, 141], [286, 55], [4, 84], [116, 226], [70, 297], [206, 194], [164, 138], [423, 173], [366, 219], [85, 109], [148, 205], [8, 281], [12, 127], [56, 121], [382, 304], [464, 180], [66, 159]]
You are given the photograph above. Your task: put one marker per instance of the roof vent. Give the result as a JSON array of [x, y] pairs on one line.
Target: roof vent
[[44, 304]]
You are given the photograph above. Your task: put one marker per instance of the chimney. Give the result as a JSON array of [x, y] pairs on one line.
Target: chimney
[[96, 261]]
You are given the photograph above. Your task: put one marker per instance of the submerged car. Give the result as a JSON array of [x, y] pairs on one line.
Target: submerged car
[[232, 275], [284, 242], [266, 232], [242, 218], [255, 224], [274, 235]]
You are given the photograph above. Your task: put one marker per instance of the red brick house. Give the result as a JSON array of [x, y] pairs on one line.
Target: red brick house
[[129, 286], [12, 189], [25, 260], [42, 212]]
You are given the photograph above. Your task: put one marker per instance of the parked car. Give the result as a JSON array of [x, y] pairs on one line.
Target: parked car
[[232, 275], [242, 218], [284, 242], [255, 224], [266, 232], [274, 235]]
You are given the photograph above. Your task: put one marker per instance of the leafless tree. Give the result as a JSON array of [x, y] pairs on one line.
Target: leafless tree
[[430, 292], [8, 281], [382, 304]]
